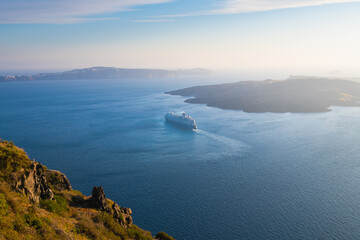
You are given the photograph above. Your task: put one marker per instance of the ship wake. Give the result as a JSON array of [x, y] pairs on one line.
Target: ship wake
[[231, 142]]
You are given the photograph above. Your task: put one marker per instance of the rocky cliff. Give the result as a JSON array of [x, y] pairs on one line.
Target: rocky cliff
[[37, 203], [33, 183]]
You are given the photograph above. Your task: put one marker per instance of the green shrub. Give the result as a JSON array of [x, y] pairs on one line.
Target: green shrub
[[33, 221], [10, 197], [3, 204], [12, 159], [163, 236], [86, 227], [19, 225], [4, 223], [134, 232], [110, 223], [58, 205]]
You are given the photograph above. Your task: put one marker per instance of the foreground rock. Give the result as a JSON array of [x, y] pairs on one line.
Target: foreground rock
[[98, 200], [33, 183], [36, 203]]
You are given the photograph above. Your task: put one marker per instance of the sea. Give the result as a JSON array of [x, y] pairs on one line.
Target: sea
[[239, 176]]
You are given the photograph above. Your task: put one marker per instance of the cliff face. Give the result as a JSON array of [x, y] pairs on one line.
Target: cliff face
[[37, 203], [33, 183]]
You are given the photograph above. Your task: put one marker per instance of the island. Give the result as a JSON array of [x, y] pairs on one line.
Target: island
[[107, 73], [39, 203], [296, 95]]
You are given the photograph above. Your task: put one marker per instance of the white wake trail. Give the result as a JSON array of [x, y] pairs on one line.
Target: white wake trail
[[222, 139]]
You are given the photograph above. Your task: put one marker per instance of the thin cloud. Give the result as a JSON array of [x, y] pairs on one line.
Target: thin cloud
[[64, 11], [246, 6], [77, 11], [153, 20], [239, 6]]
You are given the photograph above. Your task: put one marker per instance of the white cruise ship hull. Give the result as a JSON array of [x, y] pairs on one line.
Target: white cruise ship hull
[[181, 120]]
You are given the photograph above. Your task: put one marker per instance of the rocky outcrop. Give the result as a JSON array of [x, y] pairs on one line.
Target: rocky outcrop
[[66, 215], [33, 183], [98, 201], [58, 180], [122, 215]]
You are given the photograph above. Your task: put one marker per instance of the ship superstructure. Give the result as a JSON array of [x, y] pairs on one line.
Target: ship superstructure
[[182, 120]]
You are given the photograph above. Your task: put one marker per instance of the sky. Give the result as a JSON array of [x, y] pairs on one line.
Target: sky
[[294, 36]]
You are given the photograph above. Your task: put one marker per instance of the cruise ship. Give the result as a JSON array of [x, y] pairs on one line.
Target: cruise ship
[[181, 120]]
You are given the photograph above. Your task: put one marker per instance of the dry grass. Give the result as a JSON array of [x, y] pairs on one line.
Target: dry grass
[[52, 219]]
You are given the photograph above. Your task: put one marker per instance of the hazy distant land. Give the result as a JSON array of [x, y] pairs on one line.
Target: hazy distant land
[[296, 94], [107, 73]]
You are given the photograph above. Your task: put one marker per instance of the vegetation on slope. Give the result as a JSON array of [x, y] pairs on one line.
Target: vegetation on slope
[[12, 159], [56, 218]]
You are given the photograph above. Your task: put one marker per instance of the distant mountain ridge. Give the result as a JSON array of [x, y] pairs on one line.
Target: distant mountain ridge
[[107, 73]]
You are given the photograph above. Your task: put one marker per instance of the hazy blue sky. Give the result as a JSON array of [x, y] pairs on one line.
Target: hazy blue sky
[[224, 34]]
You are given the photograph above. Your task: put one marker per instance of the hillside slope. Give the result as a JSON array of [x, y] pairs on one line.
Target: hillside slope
[[38, 203]]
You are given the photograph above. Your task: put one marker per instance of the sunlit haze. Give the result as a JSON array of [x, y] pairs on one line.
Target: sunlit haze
[[306, 37]]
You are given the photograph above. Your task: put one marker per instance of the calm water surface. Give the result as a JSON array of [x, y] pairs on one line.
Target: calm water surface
[[241, 176]]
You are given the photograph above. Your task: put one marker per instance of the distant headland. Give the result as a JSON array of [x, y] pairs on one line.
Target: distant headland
[[107, 73], [296, 94]]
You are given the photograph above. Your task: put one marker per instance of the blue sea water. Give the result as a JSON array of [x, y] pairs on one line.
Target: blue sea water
[[240, 176]]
